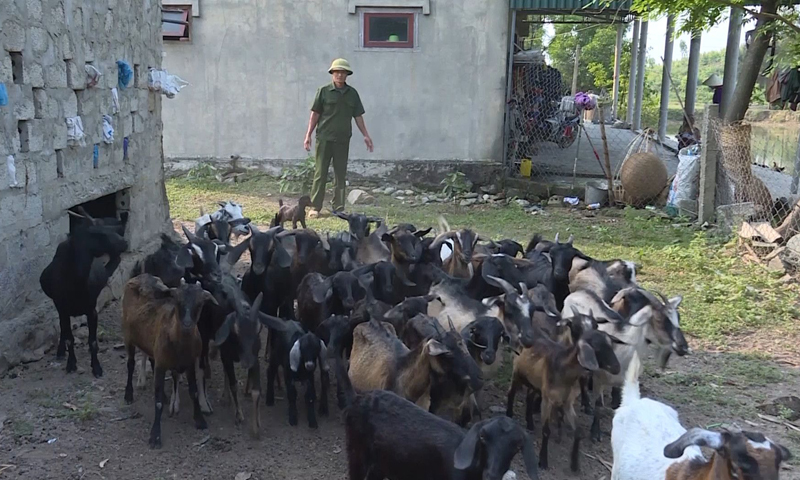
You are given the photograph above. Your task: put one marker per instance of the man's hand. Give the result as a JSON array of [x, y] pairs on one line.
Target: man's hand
[[368, 141], [307, 143]]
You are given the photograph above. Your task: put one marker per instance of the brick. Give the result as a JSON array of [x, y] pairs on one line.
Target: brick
[[46, 170], [23, 106], [88, 51], [76, 76], [13, 35], [127, 127], [36, 135], [109, 22], [55, 76], [71, 105], [40, 103], [55, 20], [6, 75], [59, 135], [35, 10], [138, 125], [34, 74], [134, 102], [39, 39], [67, 50]]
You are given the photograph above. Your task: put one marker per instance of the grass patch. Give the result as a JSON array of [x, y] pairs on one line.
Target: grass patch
[[721, 295], [21, 428]]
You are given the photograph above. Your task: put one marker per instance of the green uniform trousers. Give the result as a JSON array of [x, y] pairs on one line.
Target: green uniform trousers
[[325, 151]]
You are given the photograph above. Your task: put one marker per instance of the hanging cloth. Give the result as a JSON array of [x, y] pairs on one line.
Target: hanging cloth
[[791, 89]]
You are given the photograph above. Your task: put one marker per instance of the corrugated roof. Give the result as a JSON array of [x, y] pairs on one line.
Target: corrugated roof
[[571, 5]]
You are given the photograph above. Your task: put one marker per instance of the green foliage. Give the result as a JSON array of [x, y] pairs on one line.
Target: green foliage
[[455, 184], [202, 170], [299, 177]]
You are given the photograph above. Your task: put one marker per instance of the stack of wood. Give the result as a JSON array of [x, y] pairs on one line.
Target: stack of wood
[[232, 173], [762, 244]]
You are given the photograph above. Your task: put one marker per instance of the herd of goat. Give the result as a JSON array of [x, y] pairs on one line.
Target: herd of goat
[[413, 325]]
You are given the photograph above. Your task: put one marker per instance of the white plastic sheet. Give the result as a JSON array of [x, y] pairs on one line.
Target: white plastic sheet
[[686, 184], [108, 129], [163, 82], [75, 135]]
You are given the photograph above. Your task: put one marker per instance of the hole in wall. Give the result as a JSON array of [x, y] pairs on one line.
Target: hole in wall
[[24, 139], [136, 75], [60, 163], [106, 206], [16, 68]]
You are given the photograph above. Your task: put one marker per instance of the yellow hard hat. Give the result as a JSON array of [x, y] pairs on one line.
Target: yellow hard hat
[[340, 64]]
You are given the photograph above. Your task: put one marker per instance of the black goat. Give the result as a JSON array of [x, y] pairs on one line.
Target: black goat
[[388, 436], [298, 352], [358, 223], [341, 253], [73, 283], [169, 262], [239, 340], [319, 297], [269, 271]]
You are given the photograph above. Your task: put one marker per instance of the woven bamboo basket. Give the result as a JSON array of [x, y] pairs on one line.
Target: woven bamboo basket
[[643, 177]]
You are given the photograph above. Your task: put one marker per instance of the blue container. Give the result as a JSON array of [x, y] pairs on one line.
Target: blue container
[[3, 95], [95, 156]]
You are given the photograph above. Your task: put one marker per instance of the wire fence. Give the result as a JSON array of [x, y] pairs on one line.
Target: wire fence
[[550, 139], [756, 184]]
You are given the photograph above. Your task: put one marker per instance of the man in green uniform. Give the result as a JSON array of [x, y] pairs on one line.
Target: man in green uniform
[[335, 106]]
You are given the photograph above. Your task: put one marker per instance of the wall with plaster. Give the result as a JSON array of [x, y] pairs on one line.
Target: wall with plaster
[[44, 46], [255, 65]]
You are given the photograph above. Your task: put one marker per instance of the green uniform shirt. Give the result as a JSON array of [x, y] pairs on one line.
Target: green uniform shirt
[[337, 108]]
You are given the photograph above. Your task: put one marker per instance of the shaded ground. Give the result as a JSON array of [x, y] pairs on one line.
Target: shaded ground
[[740, 322]]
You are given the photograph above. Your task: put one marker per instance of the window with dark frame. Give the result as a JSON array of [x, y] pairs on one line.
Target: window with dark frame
[[388, 30], [176, 22]]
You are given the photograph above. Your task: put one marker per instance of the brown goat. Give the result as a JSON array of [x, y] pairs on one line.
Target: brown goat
[[294, 214], [162, 322], [553, 370], [460, 262]]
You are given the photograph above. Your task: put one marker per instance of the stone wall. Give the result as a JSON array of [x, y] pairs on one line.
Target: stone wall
[[44, 46]]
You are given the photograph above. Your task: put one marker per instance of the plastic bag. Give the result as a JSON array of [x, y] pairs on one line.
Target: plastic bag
[[584, 101], [3, 95], [114, 100], [686, 184], [125, 73], [161, 81], [92, 75], [108, 129], [75, 135]]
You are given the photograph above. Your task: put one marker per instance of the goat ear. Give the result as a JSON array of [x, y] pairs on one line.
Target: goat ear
[[273, 323], [492, 301], [184, 257], [342, 215], [467, 452], [224, 330], [422, 233], [642, 316], [281, 256], [617, 340], [323, 357], [436, 348], [786, 455], [387, 238], [239, 221], [529, 457], [235, 253], [322, 292], [586, 356], [294, 356], [675, 301], [394, 313], [694, 437]]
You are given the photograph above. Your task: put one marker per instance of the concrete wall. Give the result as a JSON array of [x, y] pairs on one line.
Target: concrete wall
[[54, 40], [255, 65]]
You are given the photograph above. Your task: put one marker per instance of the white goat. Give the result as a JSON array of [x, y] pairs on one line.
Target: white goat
[[649, 443]]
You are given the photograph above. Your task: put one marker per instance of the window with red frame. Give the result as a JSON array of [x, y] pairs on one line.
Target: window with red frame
[[176, 22], [388, 30]]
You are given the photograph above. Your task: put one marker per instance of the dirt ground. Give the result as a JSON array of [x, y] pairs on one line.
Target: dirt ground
[[54, 425]]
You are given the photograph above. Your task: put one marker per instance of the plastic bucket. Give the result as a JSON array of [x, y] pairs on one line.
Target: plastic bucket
[[525, 167], [596, 193]]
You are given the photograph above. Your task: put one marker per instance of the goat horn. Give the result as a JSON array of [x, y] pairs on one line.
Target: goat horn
[[450, 323], [556, 239], [189, 235], [439, 240], [664, 299], [70, 212], [285, 233], [649, 296], [476, 343], [570, 239], [503, 284]]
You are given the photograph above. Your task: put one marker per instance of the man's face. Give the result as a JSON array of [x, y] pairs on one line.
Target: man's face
[[339, 76]]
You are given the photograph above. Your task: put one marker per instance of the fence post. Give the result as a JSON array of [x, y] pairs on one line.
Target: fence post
[[709, 156]]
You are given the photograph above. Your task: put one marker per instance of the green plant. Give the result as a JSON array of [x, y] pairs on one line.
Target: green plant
[[298, 177], [202, 170], [454, 184]]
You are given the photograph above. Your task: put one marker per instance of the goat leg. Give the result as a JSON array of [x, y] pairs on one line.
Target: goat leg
[[512, 393], [291, 396], [155, 431], [192, 380], [586, 401], [529, 408], [69, 343], [311, 397], [272, 371], [131, 366], [230, 375], [254, 379], [65, 325], [616, 397], [174, 401], [574, 463], [595, 432], [663, 358], [325, 381], [202, 386], [91, 318], [547, 410]]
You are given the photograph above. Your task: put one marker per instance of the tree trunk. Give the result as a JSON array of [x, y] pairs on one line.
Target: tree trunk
[[751, 65]]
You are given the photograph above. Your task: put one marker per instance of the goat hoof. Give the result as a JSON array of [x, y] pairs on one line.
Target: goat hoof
[[323, 410], [128, 396], [313, 425], [72, 365], [542, 464], [200, 424], [270, 401], [61, 353], [530, 427], [97, 371], [155, 442], [293, 421]]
